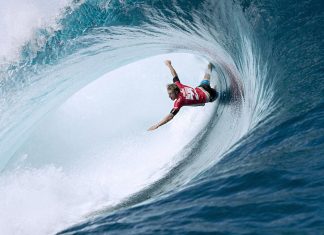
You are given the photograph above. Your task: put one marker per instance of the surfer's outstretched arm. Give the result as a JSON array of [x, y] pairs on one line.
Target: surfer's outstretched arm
[[164, 120], [173, 72]]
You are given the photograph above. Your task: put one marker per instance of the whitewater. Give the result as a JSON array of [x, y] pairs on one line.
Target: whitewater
[[81, 81]]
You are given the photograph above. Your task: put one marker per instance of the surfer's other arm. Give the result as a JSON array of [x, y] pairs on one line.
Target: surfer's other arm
[[169, 65], [168, 118]]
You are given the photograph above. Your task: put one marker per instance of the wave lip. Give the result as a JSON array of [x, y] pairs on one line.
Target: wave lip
[[21, 27]]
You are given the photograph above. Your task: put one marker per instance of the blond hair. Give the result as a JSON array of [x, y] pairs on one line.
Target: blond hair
[[173, 87]]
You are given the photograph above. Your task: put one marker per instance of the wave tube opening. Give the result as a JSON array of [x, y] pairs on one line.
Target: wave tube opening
[[95, 147]]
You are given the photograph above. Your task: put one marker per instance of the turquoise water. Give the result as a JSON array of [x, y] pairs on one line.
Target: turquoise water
[[78, 96]]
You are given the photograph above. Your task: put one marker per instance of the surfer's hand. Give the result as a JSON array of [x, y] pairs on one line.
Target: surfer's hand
[[167, 62], [153, 128]]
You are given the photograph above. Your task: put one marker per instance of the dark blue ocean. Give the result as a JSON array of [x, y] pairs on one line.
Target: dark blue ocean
[[250, 163]]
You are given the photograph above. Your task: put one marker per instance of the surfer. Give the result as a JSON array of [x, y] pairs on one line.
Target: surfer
[[184, 95]]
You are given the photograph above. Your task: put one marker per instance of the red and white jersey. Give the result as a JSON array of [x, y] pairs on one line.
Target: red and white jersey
[[188, 96]]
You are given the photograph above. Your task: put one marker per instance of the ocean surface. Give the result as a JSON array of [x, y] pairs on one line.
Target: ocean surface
[[82, 81]]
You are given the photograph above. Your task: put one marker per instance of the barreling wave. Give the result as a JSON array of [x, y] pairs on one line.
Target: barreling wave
[[96, 37]]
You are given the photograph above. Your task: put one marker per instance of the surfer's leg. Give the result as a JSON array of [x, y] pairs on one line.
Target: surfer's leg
[[206, 79], [205, 83], [208, 72]]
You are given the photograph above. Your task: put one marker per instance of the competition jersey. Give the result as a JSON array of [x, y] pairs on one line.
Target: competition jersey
[[188, 96]]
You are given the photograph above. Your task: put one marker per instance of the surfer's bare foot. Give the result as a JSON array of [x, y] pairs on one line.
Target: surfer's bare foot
[[210, 66]]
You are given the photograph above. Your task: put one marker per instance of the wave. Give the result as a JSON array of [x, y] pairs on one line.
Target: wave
[[53, 136]]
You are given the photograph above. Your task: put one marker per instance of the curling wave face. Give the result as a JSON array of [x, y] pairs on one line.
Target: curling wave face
[[82, 148]]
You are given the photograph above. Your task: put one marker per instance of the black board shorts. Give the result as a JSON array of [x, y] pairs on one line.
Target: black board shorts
[[211, 91]]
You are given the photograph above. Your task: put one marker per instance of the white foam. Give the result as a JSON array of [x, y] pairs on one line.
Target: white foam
[[19, 20]]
